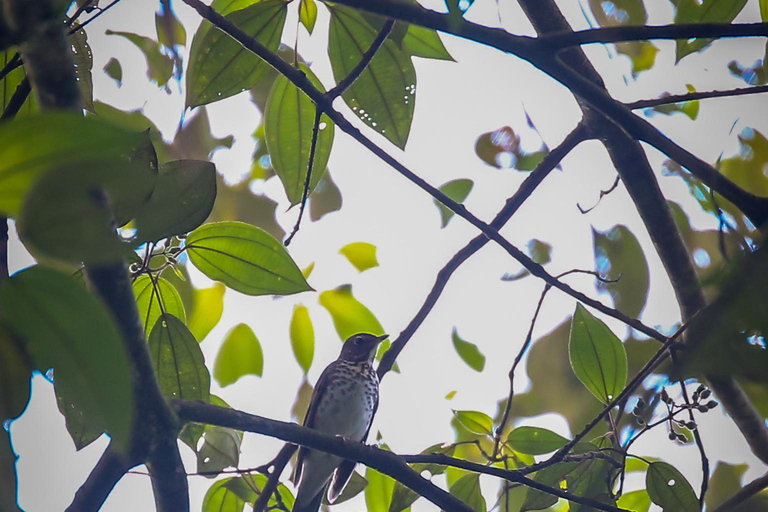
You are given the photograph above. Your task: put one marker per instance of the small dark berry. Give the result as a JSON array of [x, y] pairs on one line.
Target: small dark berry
[[672, 436], [711, 404], [705, 394]]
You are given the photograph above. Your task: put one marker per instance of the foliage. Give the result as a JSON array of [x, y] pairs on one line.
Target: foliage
[[105, 190]]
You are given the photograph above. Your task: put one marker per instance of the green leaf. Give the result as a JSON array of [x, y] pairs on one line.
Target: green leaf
[[476, 422], [535, 440], [360, 254], [541, 252], [435, 469], [155, 297], [240, 354], [402, 498], [669, 489], [302, 337], [170, 31], [467, 489], [220, 498], [220, 449], [8, 484], [245, 258], [468, 352], [458, 190], [9, 84], [704, 11], [67, 329], [635, 501], [159, 65], [619, 258], [384, 94], [424, 42], [114, 70], [349, 315], [688, 108], [597, 356], [82, 427], [182, 200], [308, 14], [82, 58], [15, 375], [623, 13], [219, 66], [355, 486], [288, 128], [192, 432], [378, 492], [63, 216], [325, 199], [178, 361], [36, 144], [207, 310]]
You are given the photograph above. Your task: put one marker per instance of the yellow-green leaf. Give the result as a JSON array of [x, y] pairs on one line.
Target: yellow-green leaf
[[349, 315], [360, 254], [476, 422], [155, 297], [302, 337], [308, 14], [240, 354], [535, 440], [207, 310]]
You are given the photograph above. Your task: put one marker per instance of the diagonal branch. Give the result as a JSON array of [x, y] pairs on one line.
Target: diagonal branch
[[366, 59], [698, 95]]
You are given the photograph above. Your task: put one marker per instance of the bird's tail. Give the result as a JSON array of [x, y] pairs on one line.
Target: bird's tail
[[313, 505]]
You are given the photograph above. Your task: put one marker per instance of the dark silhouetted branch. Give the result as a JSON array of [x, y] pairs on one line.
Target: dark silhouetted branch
[[698, 95]]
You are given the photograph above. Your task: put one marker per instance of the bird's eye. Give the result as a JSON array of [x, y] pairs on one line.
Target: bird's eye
[[358, 341]]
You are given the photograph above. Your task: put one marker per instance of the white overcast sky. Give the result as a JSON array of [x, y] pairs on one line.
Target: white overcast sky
[[484, 90]]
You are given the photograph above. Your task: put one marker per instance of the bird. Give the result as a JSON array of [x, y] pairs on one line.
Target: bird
[[343, 403]]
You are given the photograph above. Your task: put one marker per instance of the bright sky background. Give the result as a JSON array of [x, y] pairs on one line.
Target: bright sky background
[[456, 102]]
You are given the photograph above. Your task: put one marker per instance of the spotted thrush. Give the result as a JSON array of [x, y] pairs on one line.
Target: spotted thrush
[[344, 402]]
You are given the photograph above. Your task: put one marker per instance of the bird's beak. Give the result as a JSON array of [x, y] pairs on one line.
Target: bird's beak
[[381, 338]]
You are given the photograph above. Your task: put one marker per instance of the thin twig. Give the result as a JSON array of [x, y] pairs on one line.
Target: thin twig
[[305, 193], [273, 479], [603, 193], [699, 95], [365, 60]]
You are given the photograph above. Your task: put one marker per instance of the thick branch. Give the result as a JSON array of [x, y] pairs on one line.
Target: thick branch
[[383, 461], [542, 56]]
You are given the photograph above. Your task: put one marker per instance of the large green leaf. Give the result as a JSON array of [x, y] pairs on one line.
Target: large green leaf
[[402, 498], [669, 489], [220, 449], [159, 65], [302, 337], [424, 42], [221, 498], [207, 310], [467, 489], [384, 94], [619, 258], [182, 199], [597, 356], [308, 14], [36, 144], [178, 361], [378, 492], [219, 66], [240, 354], [245, 258], [288, 127], [468, 352], [67, 329], [635, 501], [458, 190], [476, 422], [83, 428], [15, 375], [703, 11], [360, 254], [154, 297], [64, 217], [535, 440], [349, 315]]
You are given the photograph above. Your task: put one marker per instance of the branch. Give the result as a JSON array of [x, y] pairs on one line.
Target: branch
[[308, 179], [383, 461], [102, 479], [646, 32], [744, 494], [699, 95], [380, 460], [542, 57], [550, 161], [273, 480]]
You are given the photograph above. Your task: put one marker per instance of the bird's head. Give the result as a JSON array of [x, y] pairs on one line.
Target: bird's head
[[361, 347]]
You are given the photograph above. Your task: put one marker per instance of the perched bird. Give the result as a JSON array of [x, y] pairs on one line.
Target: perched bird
[[344, 402]]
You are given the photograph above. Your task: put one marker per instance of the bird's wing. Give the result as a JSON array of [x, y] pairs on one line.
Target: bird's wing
[[344, 472], [309, 418]]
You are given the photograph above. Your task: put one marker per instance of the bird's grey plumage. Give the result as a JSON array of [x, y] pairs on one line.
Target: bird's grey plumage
[[344, 402]]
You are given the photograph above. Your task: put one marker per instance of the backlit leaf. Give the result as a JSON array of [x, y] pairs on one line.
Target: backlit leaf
[[220, 498], [704, 11], [476, 422], [619, 258], [302, 337], [178, 361], [402, 498], [170, 31], [378, 492], [154, 298], [467, 489], [181, 201], [288, 129], [535, 440], [424, 42], [240, 354], [308, 14], [15, 375], [245, 258], [635, 501], [349, 315], [669, 489], [468, 352], [458, 190], [220, 449], [360, 254], [384, 94], [67, 328], [207, 310], [219, 66]]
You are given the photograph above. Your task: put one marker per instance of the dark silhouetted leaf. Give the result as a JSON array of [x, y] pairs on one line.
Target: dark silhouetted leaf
[[619, 257], [597, 356], [467, 489], [159, 65], [245, 258], [669, 489], [402, 498], [325, 199], [67, 329], [8, 487], [15, 375], [355, 486]]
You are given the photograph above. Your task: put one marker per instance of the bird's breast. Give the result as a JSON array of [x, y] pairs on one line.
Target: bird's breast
[[347, 404]]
